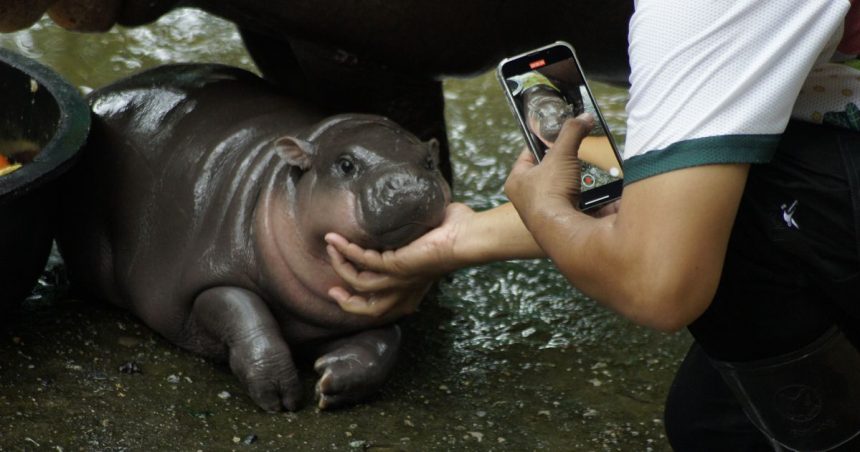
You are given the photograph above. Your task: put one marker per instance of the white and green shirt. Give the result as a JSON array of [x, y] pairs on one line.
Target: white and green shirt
[[716, 81]]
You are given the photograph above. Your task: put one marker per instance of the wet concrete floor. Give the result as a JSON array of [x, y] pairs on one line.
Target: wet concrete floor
[[81, 375]]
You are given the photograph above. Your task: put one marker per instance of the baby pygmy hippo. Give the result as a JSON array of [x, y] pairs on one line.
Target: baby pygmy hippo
[[201, 202]]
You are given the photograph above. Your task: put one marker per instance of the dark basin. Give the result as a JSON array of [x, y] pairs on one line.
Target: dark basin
[[39, 108]]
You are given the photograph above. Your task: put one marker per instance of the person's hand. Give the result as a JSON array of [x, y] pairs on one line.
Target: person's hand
[[607, 209], [395, 281], [555, 183]]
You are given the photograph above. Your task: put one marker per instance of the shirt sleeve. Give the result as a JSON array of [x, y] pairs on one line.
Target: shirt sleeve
[[715, 81]]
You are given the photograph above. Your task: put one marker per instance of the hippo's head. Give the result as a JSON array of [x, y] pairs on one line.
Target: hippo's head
[[546, 111], [368, 179]]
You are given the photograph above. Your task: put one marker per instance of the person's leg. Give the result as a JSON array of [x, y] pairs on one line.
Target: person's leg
[[703, 415]]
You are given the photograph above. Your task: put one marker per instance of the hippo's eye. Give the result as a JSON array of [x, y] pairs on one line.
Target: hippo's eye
[[429, 162], [345, 166]]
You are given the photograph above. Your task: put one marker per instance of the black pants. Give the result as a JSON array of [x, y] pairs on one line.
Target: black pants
[[792, 271]]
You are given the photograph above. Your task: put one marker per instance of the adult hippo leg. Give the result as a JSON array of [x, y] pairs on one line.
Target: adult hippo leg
[[19, 14], [85, 15], [236, 323], [139, 12], [342, 82], [354, 367]]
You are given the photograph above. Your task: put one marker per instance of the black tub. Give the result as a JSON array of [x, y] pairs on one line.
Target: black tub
[[36, 106]]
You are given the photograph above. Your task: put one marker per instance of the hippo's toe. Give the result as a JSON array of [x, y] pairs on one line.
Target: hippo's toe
[[277, 394], [347, 376], [268, 372]]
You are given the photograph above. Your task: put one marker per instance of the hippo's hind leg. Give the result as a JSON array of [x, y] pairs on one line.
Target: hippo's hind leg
[[236, 323], [354, 367]]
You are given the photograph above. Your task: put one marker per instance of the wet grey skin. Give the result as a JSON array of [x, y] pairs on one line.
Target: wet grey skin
[[200, 204]]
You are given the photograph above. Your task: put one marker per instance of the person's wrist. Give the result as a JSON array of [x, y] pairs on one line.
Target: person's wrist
[[464, 244], [549, 210], [540, 209], [475, 240]]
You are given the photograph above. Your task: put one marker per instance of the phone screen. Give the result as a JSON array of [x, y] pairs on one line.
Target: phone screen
[[545, 87]]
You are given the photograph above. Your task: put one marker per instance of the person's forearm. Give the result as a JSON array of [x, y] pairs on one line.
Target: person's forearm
[[615, 266], [654, 263], [578, 245], [493, 235], [597, 257]]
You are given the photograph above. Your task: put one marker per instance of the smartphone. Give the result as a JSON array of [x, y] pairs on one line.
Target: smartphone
[[546, 86]]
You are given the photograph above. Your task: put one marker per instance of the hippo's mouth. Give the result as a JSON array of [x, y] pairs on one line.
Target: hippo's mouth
[[401, 235]]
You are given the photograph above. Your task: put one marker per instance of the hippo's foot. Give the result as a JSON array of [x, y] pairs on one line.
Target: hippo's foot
[[356, 367], [238, 321], [266, 368]]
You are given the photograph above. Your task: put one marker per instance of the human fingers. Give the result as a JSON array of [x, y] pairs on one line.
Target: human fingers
[[349, 302], [369, 259], [570, 138], [608, 209], [517, 187], [399, 263], [362, 281], [373, 306], [524, 162]]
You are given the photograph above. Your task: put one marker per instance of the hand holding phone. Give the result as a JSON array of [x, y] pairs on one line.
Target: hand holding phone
[[546, 86]]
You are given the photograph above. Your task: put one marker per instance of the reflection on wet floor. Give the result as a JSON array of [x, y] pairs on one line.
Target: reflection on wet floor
[[502, 357]]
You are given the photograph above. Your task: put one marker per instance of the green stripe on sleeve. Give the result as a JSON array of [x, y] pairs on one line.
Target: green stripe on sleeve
[[701, 151]]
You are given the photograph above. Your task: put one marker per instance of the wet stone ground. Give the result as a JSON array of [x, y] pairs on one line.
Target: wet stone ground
[[81, 375]]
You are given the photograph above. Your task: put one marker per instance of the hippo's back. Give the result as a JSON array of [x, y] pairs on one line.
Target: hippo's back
[[170, 153], [147, 108]]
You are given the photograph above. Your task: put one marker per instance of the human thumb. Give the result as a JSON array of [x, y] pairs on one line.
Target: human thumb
[[572, 133]]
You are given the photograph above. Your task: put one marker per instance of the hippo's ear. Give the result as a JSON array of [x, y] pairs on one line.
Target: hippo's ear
[[295, 151], [433, 144]]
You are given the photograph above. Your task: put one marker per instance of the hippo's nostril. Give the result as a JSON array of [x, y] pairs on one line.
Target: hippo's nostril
[[401, 185], [395, 217]]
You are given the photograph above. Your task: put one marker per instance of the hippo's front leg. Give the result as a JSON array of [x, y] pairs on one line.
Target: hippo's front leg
[[237, 323], [354, 367]]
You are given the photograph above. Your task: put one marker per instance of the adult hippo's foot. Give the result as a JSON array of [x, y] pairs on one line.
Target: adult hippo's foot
[[356, 366], [19, 14], [82, 15]]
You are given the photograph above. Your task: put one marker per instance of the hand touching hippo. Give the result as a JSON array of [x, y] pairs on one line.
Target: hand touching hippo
[[201, 203]]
